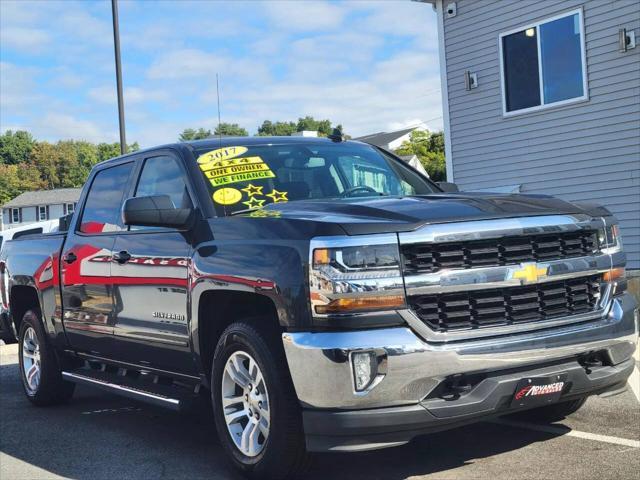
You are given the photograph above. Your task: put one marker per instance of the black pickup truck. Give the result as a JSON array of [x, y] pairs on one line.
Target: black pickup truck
[[326, 296]]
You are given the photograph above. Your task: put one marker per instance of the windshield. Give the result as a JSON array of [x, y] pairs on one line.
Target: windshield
[[249, 177]]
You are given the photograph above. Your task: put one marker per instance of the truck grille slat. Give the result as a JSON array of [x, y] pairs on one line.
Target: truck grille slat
[[429, 258], [505, 306]]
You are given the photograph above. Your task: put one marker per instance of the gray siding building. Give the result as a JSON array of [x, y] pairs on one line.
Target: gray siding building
[[32, 207], [544, 97]]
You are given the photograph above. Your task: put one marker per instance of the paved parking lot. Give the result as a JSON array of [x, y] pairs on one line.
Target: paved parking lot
[[99, 436]]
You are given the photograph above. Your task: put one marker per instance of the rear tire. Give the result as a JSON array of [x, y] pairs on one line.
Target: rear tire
[[39, 368], [553, 413], [245, 348]]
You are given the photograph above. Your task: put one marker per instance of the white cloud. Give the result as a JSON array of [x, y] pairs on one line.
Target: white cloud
[[186, 63], [57, 126], [26, 40], [107, 94], [304, 16]]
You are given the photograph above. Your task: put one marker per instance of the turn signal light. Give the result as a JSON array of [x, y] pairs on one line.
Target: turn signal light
[[349, 305], [613, 274], [321, 256]]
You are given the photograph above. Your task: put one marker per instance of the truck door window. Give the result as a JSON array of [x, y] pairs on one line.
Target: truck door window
[[163, 176], [102, 209]]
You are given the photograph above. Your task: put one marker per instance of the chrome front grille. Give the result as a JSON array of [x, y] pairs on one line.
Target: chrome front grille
[[421, 258], [507, 306]]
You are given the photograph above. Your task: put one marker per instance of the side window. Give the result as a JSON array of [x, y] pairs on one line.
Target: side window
[[163, 176], [102, 209]]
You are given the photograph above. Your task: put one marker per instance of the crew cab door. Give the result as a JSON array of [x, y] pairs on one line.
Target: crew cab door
[[150, 273], [86, 262]]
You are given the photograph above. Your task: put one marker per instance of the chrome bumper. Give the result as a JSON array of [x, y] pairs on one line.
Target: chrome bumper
[[413, 368]]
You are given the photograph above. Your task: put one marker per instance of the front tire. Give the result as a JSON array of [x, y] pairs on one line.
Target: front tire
[[39, 369], [257, 414]]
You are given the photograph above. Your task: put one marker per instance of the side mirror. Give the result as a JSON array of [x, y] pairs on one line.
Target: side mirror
[[156, 211], [448, 187]]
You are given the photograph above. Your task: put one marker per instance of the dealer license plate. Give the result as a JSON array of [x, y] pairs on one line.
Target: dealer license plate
[[535, 391]]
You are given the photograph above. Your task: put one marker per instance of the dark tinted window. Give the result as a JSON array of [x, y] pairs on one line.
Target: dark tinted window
[[522, 82], [561, 53], [104, 201], [163, 176]]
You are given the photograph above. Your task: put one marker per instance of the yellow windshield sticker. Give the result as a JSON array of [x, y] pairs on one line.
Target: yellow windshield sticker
[[253, 202], [278, 196], [266, 214], [252, 190], [227, 196], [236, 170], [221, 154]]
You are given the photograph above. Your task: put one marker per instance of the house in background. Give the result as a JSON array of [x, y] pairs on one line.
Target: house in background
[[31, 207], [544, 97], [389, 140], [394, 140]]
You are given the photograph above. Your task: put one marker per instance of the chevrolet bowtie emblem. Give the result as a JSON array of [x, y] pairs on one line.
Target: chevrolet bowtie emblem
[[530, 272]]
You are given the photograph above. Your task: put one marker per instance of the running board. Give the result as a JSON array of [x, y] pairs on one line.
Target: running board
[[125, 391]]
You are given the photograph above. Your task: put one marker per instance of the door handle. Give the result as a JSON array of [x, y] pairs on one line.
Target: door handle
[[70, 257], [122, 257]]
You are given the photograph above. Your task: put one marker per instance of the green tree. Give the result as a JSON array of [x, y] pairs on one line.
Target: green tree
[[16, 179], [323, 127], [231, 130], [192, 134], [279, 129], [15, 147], [429, 148]]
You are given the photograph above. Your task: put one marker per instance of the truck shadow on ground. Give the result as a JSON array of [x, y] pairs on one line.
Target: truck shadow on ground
[[99, 436]]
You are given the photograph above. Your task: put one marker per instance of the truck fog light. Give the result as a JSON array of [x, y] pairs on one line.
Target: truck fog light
[[365, 369]]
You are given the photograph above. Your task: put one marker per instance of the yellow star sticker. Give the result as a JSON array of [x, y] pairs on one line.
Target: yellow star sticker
[[278, 196], [254, 203], [252, 190]]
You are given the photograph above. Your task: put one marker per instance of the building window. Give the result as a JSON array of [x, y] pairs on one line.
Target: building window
[[15, 215], [43, 213], [543, 64], [69, 208]]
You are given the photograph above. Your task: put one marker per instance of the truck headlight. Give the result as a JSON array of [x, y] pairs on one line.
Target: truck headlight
[[609, 238], [355, 275]]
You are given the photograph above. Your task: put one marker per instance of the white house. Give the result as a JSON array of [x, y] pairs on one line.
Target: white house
[[389, 140], [31, 207]]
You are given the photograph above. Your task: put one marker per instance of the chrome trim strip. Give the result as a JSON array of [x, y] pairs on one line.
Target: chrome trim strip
[[484, 278], [122, 390], [483, 229]]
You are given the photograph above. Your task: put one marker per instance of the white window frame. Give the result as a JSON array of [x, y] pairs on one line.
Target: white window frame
[[40, 212], [12, 213], [69, 208], [583, 53]]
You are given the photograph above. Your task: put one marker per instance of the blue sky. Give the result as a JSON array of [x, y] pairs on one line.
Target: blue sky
[[370, 65]]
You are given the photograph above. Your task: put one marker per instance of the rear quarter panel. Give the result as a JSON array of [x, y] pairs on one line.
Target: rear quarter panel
[[33, 262]]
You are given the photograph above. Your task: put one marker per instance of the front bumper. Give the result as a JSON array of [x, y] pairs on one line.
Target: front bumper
[[401, 405]]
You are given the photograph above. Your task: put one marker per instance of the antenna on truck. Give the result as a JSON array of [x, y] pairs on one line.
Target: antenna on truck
[[219, 129]]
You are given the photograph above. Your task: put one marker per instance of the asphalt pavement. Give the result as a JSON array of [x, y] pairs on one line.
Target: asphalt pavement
[[100, 436]]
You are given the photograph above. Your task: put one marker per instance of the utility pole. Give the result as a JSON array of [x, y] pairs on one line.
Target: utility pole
[[116, 44]]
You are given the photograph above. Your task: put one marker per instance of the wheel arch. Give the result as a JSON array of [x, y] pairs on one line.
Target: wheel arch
[[23, 298], [217, 309]]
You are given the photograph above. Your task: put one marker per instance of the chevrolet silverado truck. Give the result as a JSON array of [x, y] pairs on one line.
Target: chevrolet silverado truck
[[324, 295]]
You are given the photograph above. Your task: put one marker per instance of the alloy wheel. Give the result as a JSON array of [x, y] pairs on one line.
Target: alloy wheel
[[31, 360], [245, 403]]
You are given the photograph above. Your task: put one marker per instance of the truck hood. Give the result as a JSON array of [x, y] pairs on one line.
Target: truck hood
[[396, 214]]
